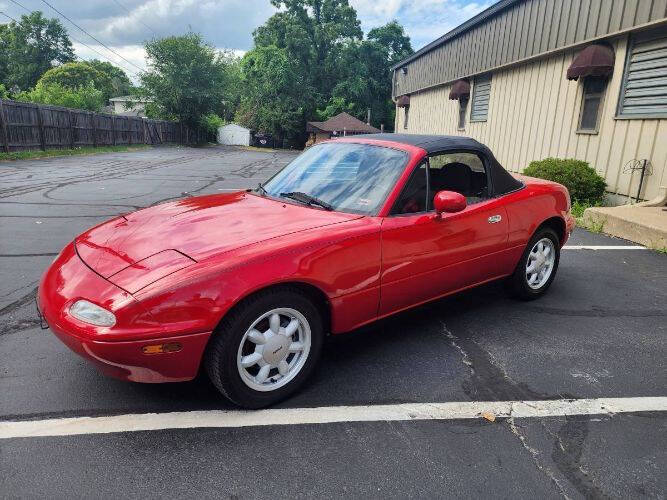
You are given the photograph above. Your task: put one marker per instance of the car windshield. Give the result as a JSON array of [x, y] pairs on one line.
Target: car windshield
[[346, 177]]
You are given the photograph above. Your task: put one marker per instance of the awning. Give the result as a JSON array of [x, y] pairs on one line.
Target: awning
[[403, 101], [594, 60], [460, 90]]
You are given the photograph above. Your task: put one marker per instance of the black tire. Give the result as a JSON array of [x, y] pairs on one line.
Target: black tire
[[221, 355], [518, 283]]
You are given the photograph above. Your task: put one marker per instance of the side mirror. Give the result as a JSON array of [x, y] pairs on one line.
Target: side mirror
[[448, 202]]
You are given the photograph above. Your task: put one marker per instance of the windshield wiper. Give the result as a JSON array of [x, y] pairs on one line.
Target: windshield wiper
[[260, 188], [307, 199]]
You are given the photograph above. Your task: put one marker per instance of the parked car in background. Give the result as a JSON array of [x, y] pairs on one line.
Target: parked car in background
[[247, 285]]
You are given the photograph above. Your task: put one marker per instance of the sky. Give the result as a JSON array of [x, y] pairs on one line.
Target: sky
[[124, 25]]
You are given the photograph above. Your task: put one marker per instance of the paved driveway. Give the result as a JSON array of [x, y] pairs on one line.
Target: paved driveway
[[599, 333]]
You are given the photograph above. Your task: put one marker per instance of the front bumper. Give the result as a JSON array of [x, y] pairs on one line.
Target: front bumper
[[117, 351]]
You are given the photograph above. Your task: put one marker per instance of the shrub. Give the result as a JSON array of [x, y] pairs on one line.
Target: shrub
[[3, 92], [76, 75], [581, 180], [84, 97], [211, 122]]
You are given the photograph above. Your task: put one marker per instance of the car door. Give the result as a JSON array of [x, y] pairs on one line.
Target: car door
[[425, 256]]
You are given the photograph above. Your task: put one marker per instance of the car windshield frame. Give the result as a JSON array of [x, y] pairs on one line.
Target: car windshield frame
[[392, 167]]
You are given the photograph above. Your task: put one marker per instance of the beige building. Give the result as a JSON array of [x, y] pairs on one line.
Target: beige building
[[502, 78], [128, 105]]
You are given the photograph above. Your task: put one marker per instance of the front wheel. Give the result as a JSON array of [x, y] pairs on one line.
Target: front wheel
[[266, 348], [537, 267]]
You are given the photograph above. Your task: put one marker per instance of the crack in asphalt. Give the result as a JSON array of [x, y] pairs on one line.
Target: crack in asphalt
[[535, 455], [597, 312], [490, 382], [11, 325]]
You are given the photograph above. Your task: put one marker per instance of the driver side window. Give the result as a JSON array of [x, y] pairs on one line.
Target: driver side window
[[413, 197], [462, 173]]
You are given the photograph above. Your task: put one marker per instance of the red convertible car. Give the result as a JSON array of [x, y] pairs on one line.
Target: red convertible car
[[247, 285]]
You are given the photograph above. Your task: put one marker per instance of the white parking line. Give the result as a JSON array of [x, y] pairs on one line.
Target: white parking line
[[603, 247], [324, 415]]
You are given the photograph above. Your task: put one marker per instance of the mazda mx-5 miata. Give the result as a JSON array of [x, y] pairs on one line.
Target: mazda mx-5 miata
[[246, 285]]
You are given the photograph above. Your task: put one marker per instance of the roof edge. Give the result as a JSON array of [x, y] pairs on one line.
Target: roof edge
[[460, 29]]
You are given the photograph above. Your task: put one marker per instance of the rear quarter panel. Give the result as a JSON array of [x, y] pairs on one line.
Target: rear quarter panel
[[529, 207]]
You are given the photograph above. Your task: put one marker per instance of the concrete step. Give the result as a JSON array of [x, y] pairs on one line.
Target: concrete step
[[641, 224]]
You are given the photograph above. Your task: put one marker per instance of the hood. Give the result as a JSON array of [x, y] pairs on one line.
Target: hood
[[192, 230]]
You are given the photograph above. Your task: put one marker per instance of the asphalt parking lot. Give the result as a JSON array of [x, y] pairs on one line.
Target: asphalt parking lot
[[599, 333]]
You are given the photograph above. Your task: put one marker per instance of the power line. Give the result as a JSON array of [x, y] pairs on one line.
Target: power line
[[8, 16], [138, 20], [91, 36], [80, 42]]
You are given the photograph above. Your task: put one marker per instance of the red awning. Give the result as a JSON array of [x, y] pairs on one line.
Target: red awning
[[594, 60], [460, 90], [403, 101]]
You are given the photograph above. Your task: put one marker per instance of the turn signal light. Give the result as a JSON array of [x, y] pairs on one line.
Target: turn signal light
[[162, 348]]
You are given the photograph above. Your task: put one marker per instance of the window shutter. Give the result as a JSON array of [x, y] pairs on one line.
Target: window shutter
[[644, 89], [480, 99]]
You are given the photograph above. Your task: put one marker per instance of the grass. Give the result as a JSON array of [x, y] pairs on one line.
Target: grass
[[29, 155], [578, 209]]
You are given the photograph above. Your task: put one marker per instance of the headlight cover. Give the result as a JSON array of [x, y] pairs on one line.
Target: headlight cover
[[93, 314]]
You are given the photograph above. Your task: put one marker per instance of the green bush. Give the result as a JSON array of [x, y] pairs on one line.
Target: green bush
[[77, 75], [581, 180], [211, 122], [3, 92], [84, 97]]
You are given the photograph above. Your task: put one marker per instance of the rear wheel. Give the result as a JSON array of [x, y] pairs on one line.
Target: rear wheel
[[266, 348], [537, 267]]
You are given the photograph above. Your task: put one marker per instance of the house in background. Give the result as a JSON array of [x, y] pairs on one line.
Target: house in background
[[583, 79], [129, 105], [341, 125], [234, 135]]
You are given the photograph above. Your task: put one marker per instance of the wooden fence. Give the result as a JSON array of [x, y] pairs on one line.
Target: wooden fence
[[27, 126]]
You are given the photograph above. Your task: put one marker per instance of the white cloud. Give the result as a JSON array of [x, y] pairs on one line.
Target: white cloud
[[424, 20], [226, 23], [133, 53]]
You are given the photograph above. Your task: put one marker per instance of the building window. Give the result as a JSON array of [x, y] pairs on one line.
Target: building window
[[481, 93], [463, 107], [644, 87], [591, 104], [405, 116]]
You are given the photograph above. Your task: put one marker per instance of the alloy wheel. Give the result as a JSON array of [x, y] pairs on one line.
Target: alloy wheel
[[540, 263], [274, 349]]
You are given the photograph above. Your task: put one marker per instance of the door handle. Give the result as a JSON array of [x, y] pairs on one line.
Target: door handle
[[494, 218]]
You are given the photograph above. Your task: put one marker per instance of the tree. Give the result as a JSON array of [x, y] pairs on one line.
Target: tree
[[312, 32], [275, 98], [83, 97], [78, 74], [233, 86], [364, 75], [337, 70], [120, 82], [392, 38], [31, 47], [185, 79]]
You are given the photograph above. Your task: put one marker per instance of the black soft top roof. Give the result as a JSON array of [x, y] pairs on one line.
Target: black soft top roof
[[431, 143], [502, 181]]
